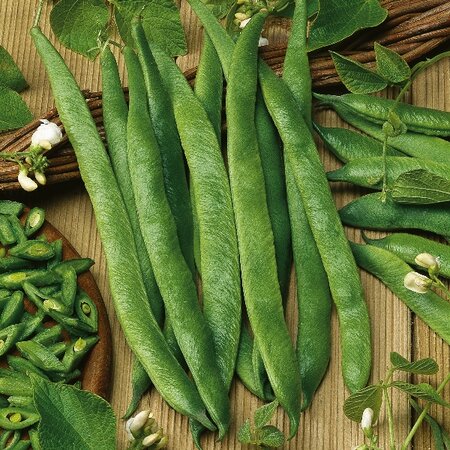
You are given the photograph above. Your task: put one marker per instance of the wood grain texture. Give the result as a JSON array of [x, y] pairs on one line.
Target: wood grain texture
[[324, 426]]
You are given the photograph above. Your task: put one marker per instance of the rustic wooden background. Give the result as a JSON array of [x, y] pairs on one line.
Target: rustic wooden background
[[324, 425]]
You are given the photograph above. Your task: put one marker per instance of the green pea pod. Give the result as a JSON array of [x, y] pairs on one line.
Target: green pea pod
[[218, 242], [80, 265], [49, 335], [9, 207], [163, 120], [86, 310], [16, 226], [313, 186], [13, 310], [40, 356], [14, 418], [376, 109], [172, 273], [7, 236], [57, 258], [369, 211], [408, 246], [391, 270], [33, 250], [34, 221], [77, 350], [369, 172], [25, 366], [140, 384], [348, 145], [410, 143], [313, 294], [9, 336]]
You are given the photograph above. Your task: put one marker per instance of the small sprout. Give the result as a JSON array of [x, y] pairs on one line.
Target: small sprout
[[46, 135], [25, 181], [417, 282]]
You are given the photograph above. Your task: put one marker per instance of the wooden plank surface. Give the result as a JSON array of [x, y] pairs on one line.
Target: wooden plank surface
[[324, 425]]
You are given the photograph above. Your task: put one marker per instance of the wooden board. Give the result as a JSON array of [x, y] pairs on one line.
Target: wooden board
[[324, 426]]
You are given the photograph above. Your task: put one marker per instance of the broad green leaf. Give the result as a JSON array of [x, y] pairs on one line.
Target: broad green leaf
[[422, 390], [160, 20], [271, 436], [14, 112], [436, 430], [245, 433], [72, 418], [368, 397], [339, 19], [79, 24], [421, 187], [265, 413], [219, 8], [10, 74], [357, 78], [390, 65], [426, 366]]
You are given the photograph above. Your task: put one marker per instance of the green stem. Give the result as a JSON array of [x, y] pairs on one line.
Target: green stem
[[384, 190], [390, 417], [440, 285], [37, 17], [423, 414]]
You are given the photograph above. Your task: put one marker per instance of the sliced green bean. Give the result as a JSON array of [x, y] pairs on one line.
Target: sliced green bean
[[58, 348], [80, 265], [86, 310], [34, 221], [13, 310], [57, 258], [33, 250], [39, 277], [34, 439], [24, 366], [31, 323], [21, 445], [17, 228], [14, 418], [15, 383], [49, 335], [172, 273], [8, 207], [69, 286], [60, 377], [7, 236], [391, 270], [408, 246], [370, 212], [40, 356], [348, 145], [9, 263], [369, 172], [20, 401], [9, 336], [77, 350]]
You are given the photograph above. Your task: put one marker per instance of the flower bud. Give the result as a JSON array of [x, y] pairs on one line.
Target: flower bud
[[151, 439], [40, 177], [417, 282], [139, 422], [427, 260], [244, 23], [46, 135], [367, 418], [26, 182]]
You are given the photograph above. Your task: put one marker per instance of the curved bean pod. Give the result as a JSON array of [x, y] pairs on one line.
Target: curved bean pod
[[376, 109], [370, 212], [391, 270], [408, 246], [138, 323]]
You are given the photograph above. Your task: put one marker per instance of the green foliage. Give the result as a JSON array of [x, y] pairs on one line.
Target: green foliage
[[423, 391], [265, 413], [391, 66], [368, 397], [79, 24], [14, 112], [72, 418], [426, 366], [10, 74]]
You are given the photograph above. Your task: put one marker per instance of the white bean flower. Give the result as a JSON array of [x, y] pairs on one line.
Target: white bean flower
[[46, 135]]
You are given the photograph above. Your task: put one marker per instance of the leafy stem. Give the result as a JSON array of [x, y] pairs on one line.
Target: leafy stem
[[37, 17], [390, 418]]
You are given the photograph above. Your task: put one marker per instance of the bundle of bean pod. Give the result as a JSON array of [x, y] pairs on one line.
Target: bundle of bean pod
[[47, 323], [234, 225]]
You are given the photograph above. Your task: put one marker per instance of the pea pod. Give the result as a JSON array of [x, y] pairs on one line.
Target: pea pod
[[33, 250], [412, 144], [348, 145], [391, 270], [14, 418], [218, 242], [9, 207], [368, 172], [376, 109], [138, 323], [372, 213], [34, 221], [408, 246]]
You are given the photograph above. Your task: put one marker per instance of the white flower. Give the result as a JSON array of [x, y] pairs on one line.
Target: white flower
[[139, 421], [367, 418], [151, 439], [426, 260], [244, 22], [263, 42], [127, 428], [26, 182], [417, 282], [46, 135], [40, 177]]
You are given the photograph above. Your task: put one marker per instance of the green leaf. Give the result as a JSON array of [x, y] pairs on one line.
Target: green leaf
[[14, 112], [437, 431], [160, 20], [426, 366], [10, 74], [265, 413], [422, 390], [356, 77], [368, 397], [271, 436], [339, 19], [390, 65], [421, 187], [79, 24], [72, 418], [245, 434]]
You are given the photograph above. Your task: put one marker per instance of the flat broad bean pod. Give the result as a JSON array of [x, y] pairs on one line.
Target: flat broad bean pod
[[376, 109], [368, 172], [408, 246], [138, 323], [391, 270], [370, 212]]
